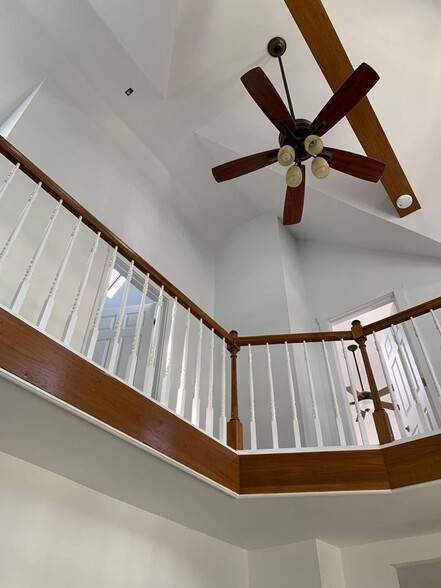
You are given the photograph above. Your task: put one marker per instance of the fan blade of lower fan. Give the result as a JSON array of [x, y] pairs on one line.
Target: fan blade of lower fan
[[294, 199], [355, 165], [268, 99], [244, 165], [345, 98], [388, 405], [383, 391], [363, 415]]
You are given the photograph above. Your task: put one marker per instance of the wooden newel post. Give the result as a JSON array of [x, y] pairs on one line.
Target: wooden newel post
[[234, 426], [381, 420]]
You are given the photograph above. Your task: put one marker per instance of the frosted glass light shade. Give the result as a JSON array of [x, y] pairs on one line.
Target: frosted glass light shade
[[404, 201], [286, 155], [320, 168], [294, 176], [313, 144], [366, 404]]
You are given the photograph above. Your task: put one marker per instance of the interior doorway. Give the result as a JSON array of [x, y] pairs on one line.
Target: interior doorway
[[395, 370], [111, 309]]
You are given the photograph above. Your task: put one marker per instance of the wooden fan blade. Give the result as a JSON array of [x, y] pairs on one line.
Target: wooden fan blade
[[268, 99], [363, 415], [355, 165], [294, 199], [244, 165], [322, 39], [345, 98], [388, 405], [383, 392]]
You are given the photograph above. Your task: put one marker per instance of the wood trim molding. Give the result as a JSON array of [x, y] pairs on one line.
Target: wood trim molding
[[32, 356], [401, 317], [325, 471], [294, 338], [35, 358], [54, 190], [327, 49]]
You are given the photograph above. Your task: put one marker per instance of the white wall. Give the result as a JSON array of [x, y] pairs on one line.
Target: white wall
[[373, 564], [318, 564], [338, 279], [55, 532], [56, 135], [295, 565]]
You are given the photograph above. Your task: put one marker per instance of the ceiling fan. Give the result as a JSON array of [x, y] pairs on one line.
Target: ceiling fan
[[365, 400], [300, 139]]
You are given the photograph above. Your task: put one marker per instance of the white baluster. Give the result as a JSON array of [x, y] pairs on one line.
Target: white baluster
[[390, 387], [94, 330], [209, 413], [411, 382], [427, 359], [223, 416], [353, 387], [180, 399], [133, 357], [196, 404], [16, 230], [49, 303], [23, 288], [436, 322], [315, 415], [166, 381], [274, 430], [253, 432], [73, 317], [8, 180], [153, 350], [115, 342], [295, 420], [339, 422]]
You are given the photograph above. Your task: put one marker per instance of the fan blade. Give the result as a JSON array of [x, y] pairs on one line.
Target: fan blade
[[294, 199], [244, 165], [345, 98], [383, 392], [388, 405], [363, 415], [355, 165], [268, 99]]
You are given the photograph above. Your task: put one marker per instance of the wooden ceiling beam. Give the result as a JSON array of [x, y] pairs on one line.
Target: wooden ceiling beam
[[327, 49]]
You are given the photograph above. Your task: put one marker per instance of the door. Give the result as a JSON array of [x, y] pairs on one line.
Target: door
[[406, 380], [106, 328]]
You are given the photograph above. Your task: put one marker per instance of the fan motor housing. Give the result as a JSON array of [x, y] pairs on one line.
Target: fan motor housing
[[303, 129]]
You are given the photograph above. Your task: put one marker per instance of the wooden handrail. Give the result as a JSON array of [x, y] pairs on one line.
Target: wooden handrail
[[52, 188], [294, 338], [403, 316]]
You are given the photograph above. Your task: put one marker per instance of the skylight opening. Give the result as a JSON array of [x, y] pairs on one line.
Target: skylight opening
[[115, 282]]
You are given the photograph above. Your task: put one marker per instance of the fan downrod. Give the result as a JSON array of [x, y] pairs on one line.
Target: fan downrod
[[277, 47]]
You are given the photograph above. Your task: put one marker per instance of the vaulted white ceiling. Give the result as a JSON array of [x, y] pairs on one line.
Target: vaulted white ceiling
[[189, 110]]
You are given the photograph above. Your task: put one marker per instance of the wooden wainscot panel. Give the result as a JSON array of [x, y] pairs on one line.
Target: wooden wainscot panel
[[414, 462], [323, 471], [35, 358]]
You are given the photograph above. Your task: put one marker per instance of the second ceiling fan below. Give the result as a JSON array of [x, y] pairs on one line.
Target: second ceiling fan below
[[300, 139]]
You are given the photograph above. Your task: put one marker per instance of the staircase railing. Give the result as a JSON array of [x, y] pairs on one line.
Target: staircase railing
[[59, 266]]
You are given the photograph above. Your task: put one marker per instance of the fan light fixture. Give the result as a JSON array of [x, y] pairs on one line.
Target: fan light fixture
[[286, 155], [366, 404], [299, 138], [404, 201], [313, 144], [320, 168], [294, 176]]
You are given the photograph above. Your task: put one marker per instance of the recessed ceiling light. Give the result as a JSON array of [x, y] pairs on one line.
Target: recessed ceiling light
[[404, 201], [129, 91]]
